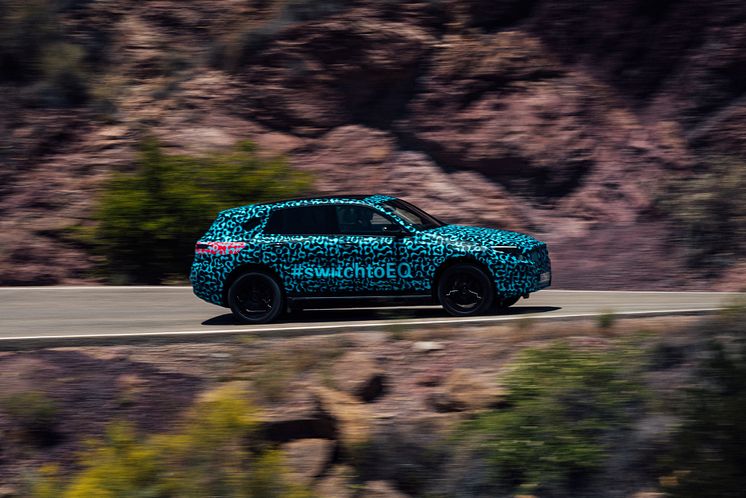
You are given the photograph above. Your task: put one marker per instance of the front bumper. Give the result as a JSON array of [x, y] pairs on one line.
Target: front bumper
[[520, 277]]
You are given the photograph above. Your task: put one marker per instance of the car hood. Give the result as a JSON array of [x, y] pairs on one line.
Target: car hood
[[483, 236]]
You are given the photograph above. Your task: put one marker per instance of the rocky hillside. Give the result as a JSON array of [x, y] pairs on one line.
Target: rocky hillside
[[560, 118], [388, 414]]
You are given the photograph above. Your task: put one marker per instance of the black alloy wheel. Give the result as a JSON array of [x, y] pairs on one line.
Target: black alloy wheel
[[255, 297], [465, 290]]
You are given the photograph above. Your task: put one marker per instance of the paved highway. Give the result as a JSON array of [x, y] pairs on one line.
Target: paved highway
[[58, 313]]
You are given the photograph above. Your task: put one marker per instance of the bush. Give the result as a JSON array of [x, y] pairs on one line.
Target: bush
[[274, 374], [565, 407], [34, 51], [606, 320], [26, 29], [709, 212], [709, 451], [148, 221], [239, 48], [34, 413], [208, 455]]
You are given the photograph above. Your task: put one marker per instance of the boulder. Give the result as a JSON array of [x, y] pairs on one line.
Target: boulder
[[465, 390], [427, 346], [307, 458], [351, 417], [337, 483], [357, 373], [381, 489], [7, 491]]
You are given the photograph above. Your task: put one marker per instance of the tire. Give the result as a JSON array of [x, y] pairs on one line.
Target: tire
[[502, 303], [255, 297], [465, 290]]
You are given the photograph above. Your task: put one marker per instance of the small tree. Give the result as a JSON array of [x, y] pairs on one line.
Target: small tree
[[565, 408], [709, 212], [147, 222]]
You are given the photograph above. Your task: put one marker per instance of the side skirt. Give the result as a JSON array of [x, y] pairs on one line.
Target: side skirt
[[358, 301]]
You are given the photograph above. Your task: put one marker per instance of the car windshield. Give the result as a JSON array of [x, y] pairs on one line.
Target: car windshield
[[412, 214]]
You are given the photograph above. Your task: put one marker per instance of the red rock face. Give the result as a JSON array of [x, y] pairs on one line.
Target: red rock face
[[560, 118]]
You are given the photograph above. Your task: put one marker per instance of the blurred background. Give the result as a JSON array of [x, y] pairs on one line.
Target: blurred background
[[611, 129]]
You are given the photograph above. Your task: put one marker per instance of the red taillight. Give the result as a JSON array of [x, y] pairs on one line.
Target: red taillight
[[219, 247]]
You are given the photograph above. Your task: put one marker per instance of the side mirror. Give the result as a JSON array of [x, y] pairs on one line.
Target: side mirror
[[396, 230]]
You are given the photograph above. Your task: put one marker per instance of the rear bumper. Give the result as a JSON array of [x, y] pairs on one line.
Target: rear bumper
[[206, 285]]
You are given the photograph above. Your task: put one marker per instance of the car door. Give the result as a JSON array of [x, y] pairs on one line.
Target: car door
[[370, 254], [301, 244]]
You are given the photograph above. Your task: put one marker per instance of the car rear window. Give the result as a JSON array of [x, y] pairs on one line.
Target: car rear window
[[306, 220]]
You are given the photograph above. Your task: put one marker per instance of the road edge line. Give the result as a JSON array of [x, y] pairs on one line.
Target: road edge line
[[297, 330]]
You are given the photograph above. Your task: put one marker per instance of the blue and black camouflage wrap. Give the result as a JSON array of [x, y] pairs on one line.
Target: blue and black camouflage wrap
[[517, 263]]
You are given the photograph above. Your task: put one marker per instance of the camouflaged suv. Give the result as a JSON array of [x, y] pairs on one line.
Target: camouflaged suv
[[263, 259]]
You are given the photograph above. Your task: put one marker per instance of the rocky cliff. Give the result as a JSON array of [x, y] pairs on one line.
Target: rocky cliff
[[564, 119]]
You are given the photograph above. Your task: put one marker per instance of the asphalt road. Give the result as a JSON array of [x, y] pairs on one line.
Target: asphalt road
[[58, 313]]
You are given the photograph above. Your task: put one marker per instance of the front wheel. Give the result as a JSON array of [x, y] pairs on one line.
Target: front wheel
[[465, 290], [255, 297]]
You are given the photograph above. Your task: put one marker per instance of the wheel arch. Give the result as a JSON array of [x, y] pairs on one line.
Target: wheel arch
[[457, 261], [245, 268]]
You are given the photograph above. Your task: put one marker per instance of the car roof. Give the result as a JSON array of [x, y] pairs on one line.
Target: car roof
[[319, 198], [255, 209], [326, 199]]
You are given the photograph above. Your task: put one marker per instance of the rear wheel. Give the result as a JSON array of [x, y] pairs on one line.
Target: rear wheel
[[255, 297], [465, 290]]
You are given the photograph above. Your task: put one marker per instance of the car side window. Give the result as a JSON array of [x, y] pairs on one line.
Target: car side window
[[304, 220], [251, 224], [362, 220]]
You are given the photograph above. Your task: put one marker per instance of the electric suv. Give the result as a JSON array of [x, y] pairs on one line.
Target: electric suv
[[262, 259]]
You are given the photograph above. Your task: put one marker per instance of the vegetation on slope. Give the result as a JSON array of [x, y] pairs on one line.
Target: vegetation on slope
[[709, 213], [148, 220], [565, 410], [209, 454]]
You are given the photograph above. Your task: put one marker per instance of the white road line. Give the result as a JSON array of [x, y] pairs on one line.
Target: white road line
[[182, 287], [650, 292], [456, 321]]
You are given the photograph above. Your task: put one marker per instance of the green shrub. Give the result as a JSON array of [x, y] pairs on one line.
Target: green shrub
[[731, 319], [35, 52], [208, 455], [33, 413], [148, 221], [64, 76], [564, 407], [240, 47], [606, 320], [709, 212], [710, 449], [26, 29], [274, 374]]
